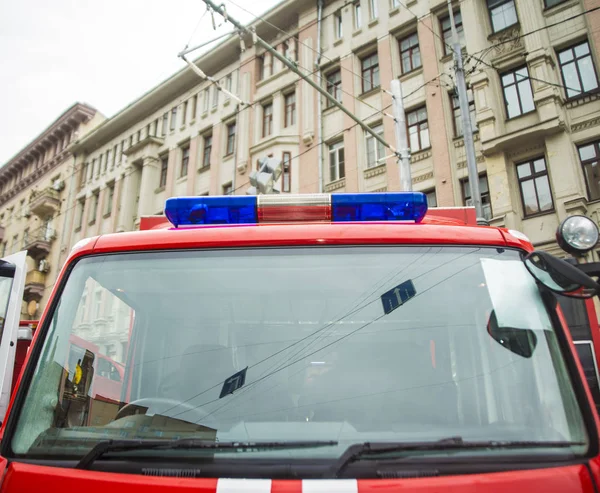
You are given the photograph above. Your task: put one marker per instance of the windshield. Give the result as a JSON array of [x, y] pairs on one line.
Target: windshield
[[350, 344]]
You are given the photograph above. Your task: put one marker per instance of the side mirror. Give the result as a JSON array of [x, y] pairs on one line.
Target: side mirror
[[518, 341], [560, 276]]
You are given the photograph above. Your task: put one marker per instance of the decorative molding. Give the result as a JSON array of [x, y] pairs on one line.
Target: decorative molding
[[527, 150], [419, 156], [422, 178], [335, 185], [378, 190], [582, 100], [592, 122], [242, 166], [507, 41], [374, 171], [479, 158]]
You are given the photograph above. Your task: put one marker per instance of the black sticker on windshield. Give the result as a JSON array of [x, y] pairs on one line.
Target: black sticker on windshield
[[398, 296], [234, 382]]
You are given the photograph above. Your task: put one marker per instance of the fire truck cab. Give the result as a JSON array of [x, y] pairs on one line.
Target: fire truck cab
[[344, 342]]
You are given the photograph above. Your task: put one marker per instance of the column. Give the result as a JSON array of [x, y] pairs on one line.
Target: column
[[193, 164], [127, 201], [170, 185], [384, 52], [148, 183], [215, 159]]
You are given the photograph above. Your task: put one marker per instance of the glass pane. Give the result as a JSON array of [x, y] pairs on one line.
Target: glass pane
[[376, 77], [587, 152], [414, 139], [526, 96], [521, 74], [588, 75], [524, 170], [422, 114], [565, 56], [504, 16], [582, 49], [512, 102], [508, 79], [406, 65], [571, 80], [539, 165], [370, 151], [332, 166], [592, 177], [425, 143], [380, 152], [342, 172], [543, 191], [416, 58], [483, 184], [412, 117]]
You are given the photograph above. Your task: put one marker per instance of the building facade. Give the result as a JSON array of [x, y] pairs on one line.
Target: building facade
[[534, 103], [34, 191]]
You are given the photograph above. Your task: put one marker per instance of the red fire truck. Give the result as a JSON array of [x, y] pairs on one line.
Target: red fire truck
[[344, 342]]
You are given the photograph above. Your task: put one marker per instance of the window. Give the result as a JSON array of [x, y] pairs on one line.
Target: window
[[338, 27], [410, 54], [484, 191], [373, 8], [552, 3], [577, 69], [184, 113], [93, 208], [534, 186], [370, 72], [334, 86], [205, 100], [194, 107], [227, 189], [164, 168], [229, 83], [286, 176], [357, 15], [115, 153], [106, 160], [395, 3], [375, 149], [207, 151], [215, 99], [290, 109], [230, 139], [518, 95], [458, 125], [336, 161], [185, 161], [173, 119], [589, 156], [503, 14], [79, 213], [97, 304], [290, 49], [98, 168], [447, 32], [110, 195], [15, 243], [267, 126], [84, 173], [25, 240], [165, 124], [418, 129], [431, 198]]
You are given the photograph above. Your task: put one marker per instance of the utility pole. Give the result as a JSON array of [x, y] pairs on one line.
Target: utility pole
[[401, 137], [463, 101], [220, 9]]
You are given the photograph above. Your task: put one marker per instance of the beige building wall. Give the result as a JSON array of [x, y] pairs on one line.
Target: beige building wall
[[34, 193]]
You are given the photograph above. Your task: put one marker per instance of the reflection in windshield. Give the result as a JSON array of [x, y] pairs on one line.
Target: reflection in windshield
[[307, 329]]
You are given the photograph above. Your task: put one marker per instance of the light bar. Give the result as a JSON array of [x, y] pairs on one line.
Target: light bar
[[285, 208], [226, 209]]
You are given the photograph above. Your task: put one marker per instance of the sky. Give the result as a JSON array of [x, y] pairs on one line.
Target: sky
[[104, 53]]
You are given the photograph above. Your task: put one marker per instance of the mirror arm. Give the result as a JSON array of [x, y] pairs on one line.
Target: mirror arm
[[592, 269]]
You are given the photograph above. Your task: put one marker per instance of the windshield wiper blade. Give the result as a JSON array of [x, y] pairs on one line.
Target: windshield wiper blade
[[105, 446], [360, 450]]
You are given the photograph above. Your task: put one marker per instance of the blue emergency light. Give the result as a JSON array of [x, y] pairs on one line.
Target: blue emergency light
[[337, 207]]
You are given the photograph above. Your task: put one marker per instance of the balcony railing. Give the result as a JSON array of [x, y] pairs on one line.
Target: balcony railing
[[35, 282], [39, 242]]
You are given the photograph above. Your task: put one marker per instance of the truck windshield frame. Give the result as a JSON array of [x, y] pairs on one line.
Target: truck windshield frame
[[373, 272]]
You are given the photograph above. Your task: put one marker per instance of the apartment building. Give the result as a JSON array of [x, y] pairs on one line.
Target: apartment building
[[34, 190]]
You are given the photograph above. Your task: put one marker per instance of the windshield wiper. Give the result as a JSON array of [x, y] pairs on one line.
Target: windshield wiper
[[105, 446], [359, 451]]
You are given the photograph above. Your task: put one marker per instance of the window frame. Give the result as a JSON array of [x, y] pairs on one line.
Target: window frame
[[289, 109], [334, 89], [377, 146], [418, 124], [357, 15], [546, 6], [460, 30], [184, 110], [206, 157], [369, 73], [455, 106], [173, 123], [286, 165], [267, 119], [516, 83], [582, 162], [338, 24], [500, 4], [532, 177], [164, 170], [230, 141], [464, 189], [575, 61], [185, 161], [411, 51], [333, 148], [110, 195], [373, 10]]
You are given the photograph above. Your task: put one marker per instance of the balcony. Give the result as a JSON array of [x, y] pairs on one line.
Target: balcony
[[39, 243], [44, 203], [34, 285]]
